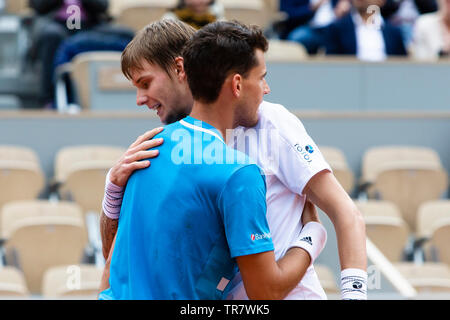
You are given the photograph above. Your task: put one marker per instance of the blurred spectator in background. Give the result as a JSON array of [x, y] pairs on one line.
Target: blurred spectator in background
[[404, 13], [364, 33], [307, 20], [431, 39], [94, 40], [57, 20], [196, 13]]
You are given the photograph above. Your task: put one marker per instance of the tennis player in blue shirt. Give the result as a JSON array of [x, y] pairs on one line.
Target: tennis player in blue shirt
[[199, 214]]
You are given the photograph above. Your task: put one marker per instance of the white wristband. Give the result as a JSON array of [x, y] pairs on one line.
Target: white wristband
[[112, 200], [312, 239], [353, 284]]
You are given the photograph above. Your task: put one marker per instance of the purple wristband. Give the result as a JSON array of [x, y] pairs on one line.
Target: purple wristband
[[112, 200]]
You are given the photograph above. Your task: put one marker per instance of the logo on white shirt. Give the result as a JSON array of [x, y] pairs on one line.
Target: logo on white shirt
[[305, 151], [309, 148]]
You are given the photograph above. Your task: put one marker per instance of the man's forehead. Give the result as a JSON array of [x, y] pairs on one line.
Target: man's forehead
[[144, 69]]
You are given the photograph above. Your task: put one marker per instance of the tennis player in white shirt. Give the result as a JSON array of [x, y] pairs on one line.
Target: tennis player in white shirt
[[292, 162], [294, 167]]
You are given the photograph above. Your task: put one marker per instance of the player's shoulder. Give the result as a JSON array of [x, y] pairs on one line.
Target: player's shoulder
[[236, 160], [221, 161], [276, 114], [169, 128], [270, 108], [234, 171], [168, 133], [177, 133], [278, 117], [244, 176]]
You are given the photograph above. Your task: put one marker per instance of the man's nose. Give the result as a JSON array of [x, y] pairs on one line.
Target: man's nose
[[141, 99], [266, 88]]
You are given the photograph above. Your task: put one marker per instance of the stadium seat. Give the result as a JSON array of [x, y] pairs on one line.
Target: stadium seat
[[285, 51], [248, 11], [41, 234], [81, 172], [17, 6], [138, 14], [272, 5], [427, 277], [71, 282], [99, 83], [338, 163], [21, 172], [114, 7], [107, 67], [12, 283], [385, 227], [405, 175], [327, 279], [433, 224]]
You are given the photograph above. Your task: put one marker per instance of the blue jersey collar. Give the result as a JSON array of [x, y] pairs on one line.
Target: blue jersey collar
[[199, 125]]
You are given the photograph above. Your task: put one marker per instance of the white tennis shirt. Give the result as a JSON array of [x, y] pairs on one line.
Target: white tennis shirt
[[289, 158]]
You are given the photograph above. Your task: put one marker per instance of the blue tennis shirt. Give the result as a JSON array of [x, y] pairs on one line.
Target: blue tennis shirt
[[186, 217]]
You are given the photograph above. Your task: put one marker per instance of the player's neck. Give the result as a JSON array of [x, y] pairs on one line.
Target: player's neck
[[214, 114]]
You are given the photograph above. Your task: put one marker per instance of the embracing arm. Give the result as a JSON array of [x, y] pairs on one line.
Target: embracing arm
[[325, 191], [264, 278], [108, 229], [104, 281]]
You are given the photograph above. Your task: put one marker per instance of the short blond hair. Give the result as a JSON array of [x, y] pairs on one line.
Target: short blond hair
[[158, 43]]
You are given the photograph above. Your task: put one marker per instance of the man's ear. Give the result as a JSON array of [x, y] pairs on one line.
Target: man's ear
[[236, 85], [179, 68]]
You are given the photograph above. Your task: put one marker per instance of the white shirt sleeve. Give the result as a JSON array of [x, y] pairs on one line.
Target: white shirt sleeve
[[299, 157]]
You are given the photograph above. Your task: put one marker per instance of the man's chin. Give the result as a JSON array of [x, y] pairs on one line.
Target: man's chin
[[248, 123], [163, 120], [171, 118]]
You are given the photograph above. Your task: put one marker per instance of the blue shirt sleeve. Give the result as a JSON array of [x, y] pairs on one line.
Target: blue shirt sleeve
[[242, 203]]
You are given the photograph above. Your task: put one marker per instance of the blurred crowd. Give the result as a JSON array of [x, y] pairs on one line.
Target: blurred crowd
[[370, 30]]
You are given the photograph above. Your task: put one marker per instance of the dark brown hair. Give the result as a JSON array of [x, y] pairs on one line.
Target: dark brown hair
[[158, 43], [217, 50]]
